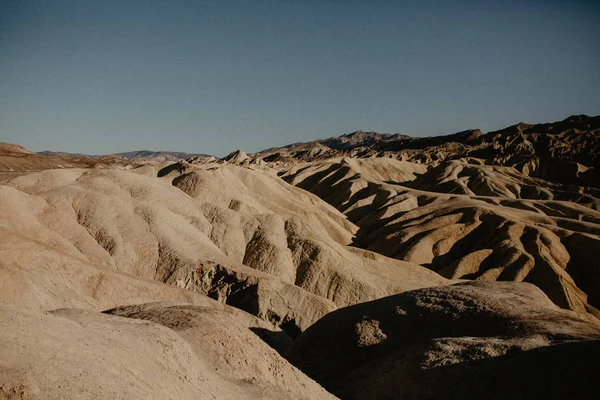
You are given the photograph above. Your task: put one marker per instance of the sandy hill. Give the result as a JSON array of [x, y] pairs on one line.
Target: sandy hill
[[157, 350], [93, 239], [468, 341], [13, 149], [470, 221], [15, 160], [241, 236], [367, 266], [562, 152]]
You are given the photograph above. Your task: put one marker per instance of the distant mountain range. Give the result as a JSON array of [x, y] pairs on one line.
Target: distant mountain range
[[137, 155]]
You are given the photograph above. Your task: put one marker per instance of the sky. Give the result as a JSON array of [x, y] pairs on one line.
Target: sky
[[101, 77]]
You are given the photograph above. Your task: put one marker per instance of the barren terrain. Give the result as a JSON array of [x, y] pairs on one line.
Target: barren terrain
[[366, 266]]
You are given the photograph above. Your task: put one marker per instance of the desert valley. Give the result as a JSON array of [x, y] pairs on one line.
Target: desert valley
[[364, 266]]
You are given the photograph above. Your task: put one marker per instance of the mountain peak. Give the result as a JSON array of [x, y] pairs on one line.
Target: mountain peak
[[237, 156]]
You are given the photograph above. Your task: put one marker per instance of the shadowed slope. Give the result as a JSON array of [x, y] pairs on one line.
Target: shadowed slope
[[494, 338]]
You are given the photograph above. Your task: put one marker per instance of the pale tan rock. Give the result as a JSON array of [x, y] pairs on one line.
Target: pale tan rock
[[467, 220], [210, 354], [241, 236]]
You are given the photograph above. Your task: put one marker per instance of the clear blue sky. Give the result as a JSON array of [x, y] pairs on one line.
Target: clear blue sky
[[212, 76]]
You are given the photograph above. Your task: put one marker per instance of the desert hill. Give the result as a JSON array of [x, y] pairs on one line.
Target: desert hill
[[16, 160], [157, 350], [472, 340], [564, 152], [366, 266], [225, 231], [469, 221]]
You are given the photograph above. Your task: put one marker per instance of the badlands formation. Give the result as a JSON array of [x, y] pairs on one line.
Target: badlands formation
[[366, 266]]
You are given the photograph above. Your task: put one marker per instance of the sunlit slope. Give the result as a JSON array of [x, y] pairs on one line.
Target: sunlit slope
[[468, 220]]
